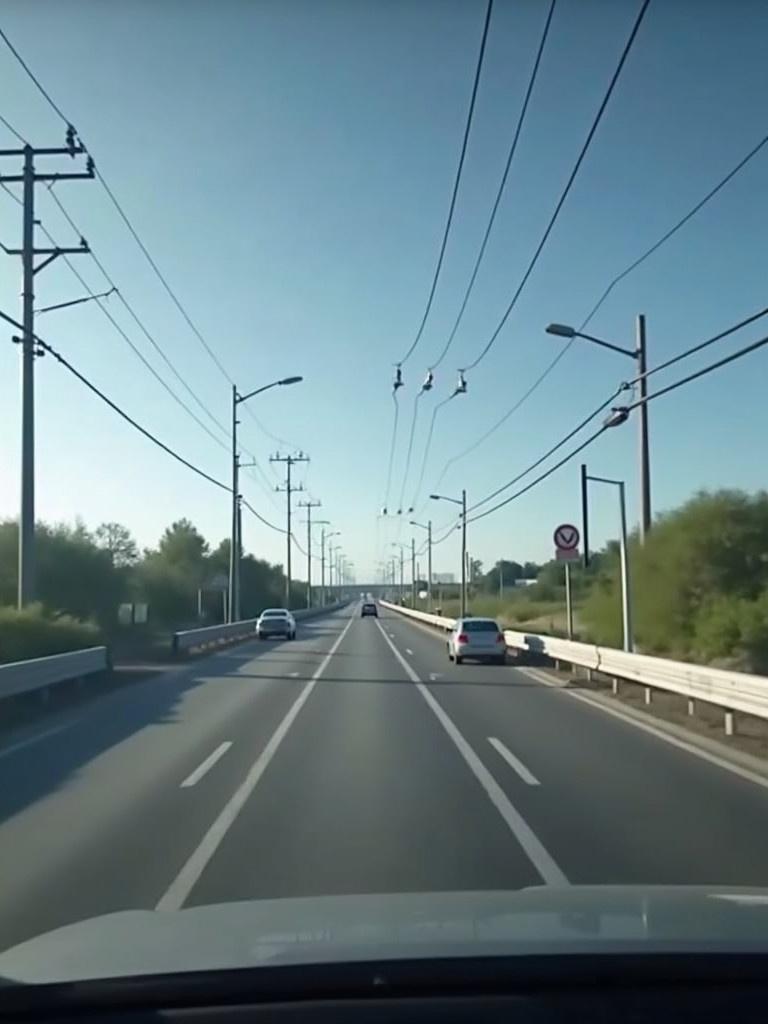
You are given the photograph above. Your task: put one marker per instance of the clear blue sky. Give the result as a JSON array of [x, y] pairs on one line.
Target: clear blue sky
[[289, 165]]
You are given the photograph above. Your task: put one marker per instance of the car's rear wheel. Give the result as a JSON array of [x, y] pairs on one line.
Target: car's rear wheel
[[458, 659], [501, 660]]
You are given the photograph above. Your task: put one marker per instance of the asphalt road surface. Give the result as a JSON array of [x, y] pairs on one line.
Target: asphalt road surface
[[356, 759]]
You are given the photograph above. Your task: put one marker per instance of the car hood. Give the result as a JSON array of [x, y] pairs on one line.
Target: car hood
[[578, 919]]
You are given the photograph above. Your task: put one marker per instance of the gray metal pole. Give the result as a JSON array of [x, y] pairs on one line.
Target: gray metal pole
[[239, 557], [413, 572], [645, 457], [289, 463], [626, 595], [233, 546], [501, 581], [322, 566], [463, 553], [309, 554], [26, 581], [429, 563], [584, 514], [568, 601]]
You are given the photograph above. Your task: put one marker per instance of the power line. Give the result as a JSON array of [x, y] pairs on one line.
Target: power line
[[137, 352], [260, 517], [263, 482], [427, 447], [739, 354], [100, 177], [456, 182], [392, 445], [116, 408], [569, 184], [543, 476], [699, 373], [628, 270], [12, 130], [702, 345], [502, 183], [534, 465], [484, 437], [409, 452]]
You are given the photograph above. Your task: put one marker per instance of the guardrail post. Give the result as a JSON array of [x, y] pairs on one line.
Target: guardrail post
[[589, 675], [648, 693], [691, 706], [175, 645], [615, 686], [729, 725]]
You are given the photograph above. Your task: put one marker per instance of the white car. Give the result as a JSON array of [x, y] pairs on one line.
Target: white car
[[477, 638], [276, 622]]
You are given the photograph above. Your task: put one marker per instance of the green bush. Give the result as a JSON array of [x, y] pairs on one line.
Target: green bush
[[35, 633]]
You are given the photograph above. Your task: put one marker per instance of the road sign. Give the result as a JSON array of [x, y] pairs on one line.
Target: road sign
[[567, 554], [566, 537]]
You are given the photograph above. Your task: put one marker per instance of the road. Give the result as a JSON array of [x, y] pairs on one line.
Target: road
[[356, 759]]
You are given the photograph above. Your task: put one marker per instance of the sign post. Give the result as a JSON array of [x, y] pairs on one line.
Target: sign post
[[566, 540]]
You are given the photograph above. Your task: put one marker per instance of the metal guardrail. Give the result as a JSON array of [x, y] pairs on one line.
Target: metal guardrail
[[732, 691], [39, 673], [188, 639]]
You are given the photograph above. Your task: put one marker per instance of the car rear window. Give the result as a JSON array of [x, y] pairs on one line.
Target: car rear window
[[480, 626], [274, 614]]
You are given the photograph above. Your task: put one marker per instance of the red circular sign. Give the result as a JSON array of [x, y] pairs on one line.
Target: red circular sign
[[566, 537]]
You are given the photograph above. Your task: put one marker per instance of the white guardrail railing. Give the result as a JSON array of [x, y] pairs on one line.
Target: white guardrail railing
[[733, 691], [39, 673], [188, 639]]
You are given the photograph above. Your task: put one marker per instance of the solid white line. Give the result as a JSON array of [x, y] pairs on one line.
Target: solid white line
[[182, 885], [207, 764], [513, 762], [690, 748], [540, 857], [34, 739]]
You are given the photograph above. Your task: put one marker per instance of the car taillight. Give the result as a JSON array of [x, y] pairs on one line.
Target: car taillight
[[463, 638], [500, 638]]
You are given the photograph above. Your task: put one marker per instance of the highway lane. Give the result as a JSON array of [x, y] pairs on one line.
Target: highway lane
[[93, 815], [356, 760], [613, 803]]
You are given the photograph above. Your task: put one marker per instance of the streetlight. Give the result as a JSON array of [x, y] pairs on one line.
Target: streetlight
[[396, 544], [428, 527], [463, 503], [331, 549], [620, 414], [626, 596], [234, 545]]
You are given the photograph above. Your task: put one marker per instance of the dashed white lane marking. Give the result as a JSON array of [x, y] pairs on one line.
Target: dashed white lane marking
[[183, 883], [207, 764], [513, 762], [539, 856], [409, 651], [294, 675]]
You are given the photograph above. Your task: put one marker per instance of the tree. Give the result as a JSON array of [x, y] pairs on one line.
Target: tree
[[118, 541], [74, 574], [184, 547]]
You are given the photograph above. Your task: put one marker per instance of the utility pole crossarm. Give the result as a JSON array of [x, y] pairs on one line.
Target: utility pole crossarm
[[29, 177], [290, 461]]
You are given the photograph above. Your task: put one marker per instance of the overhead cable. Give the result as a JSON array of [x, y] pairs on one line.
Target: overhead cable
[[572, 177], [502, 184], [457, 180]]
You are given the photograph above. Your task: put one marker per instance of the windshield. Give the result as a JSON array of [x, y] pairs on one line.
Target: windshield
[[383, 494]]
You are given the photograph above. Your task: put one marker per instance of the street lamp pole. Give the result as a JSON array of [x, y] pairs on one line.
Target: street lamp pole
[[640, 357], [413, 573], [626, 593], [463, 503], [428, 527], [233, 604]]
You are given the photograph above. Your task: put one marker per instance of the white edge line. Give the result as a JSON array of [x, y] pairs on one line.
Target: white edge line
[[206, 765], [29, 740], [681, 744], [184, 882], [513, 761], [539, 856]]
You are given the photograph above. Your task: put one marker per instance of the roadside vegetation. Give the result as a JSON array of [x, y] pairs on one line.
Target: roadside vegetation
[[83, 577], [699, 587]]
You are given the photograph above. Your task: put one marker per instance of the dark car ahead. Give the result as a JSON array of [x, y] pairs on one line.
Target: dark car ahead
[[369, 608]]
